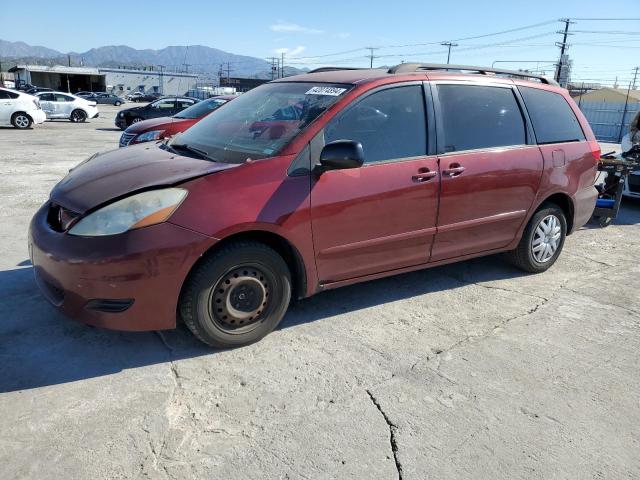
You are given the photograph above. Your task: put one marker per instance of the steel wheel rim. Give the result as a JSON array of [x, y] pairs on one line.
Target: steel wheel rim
[[22, 121], [546, 239], [239, 302]]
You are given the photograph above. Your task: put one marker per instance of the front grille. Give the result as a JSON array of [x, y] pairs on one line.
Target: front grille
[[60, 218], [125, 138], [109, 305]]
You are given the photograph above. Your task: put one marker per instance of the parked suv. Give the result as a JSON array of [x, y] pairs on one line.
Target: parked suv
[[164, 107], [310, 183], [19, 109]]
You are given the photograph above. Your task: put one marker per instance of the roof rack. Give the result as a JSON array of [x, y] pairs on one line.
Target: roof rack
[[416, 67], [334, 69]]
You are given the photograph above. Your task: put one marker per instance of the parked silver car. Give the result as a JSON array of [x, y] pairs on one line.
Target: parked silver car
[[65, 105]]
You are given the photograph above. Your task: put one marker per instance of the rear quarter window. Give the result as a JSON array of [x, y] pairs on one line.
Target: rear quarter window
[[552, 118]]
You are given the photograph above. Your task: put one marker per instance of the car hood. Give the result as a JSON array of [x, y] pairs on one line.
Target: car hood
[[118, 173], [150, 124]]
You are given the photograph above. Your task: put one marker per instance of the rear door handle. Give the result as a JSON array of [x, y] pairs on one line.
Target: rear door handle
[[424, 175], [454, 170]]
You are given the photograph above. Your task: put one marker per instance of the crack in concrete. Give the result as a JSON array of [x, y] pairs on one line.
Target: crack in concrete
[[392, 433]]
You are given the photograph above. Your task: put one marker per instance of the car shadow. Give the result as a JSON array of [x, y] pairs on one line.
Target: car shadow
[[114, 129], [41, 347]]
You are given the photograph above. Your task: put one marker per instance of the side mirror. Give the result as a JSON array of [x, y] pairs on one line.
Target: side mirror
[[340, 154]]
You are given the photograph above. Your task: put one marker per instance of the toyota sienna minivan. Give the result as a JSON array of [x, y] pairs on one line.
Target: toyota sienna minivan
[[313, 182]]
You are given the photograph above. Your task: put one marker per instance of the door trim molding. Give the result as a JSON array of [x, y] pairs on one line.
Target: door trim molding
[[373, 242], [500, 217]]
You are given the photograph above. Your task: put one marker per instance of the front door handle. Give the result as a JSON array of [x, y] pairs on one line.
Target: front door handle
[[424, 175], [454, 170]]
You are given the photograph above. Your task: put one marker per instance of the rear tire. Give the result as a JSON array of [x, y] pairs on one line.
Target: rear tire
[[542, 240], [21, 120], [117, 103], [78, 116], [237, 295]]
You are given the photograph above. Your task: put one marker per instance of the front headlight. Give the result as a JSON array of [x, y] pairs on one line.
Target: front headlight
[[120, 114], [141, 210], [148, 136]]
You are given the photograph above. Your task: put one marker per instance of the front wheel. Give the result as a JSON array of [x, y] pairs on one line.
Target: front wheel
[[237, 295], [542, 240], [78, 116], [117, 103], [135, 120]]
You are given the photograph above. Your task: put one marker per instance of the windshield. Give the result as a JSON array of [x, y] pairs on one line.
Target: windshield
[[259, 123], [201, 109]]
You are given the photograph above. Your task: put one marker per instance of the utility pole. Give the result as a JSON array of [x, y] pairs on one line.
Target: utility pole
[[161, 79], [186, 67], [563, 47], [273, 67], [228, 72], [449, 44], [371, 56], [635, 76], [282, 65]]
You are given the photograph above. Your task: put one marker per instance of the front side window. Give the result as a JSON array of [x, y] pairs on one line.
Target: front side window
[[201, 109], [164, 104], [58, 97], [552, 117], [476, 117], [47, 97], [260, 123], [390, 124]]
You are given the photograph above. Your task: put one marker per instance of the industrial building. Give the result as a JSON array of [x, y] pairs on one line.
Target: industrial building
[[113, 80]]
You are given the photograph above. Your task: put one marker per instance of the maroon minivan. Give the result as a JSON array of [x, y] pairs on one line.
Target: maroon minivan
[[313, 182]]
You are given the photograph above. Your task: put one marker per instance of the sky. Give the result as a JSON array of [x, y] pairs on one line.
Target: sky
[[337, 32]]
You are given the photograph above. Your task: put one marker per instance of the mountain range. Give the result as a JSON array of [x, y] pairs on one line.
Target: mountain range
[[200, 59]]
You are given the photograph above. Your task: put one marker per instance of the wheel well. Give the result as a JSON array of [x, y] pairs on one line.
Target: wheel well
[[19, 112], [285, 249], [564, 202]]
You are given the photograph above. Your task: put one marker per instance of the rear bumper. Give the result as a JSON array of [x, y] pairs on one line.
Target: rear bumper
[[584, 204], [130, 281], [38, 116]]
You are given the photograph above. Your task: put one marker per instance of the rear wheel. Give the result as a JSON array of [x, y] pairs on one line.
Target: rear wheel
[[117, 103], [21, 120], [237, 295], [542, 240], [78, 116]]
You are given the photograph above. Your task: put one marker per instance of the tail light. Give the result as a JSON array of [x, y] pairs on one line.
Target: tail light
[[595, 149]]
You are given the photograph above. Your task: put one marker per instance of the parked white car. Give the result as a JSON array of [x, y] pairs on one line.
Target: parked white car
[[65, 105], [19, 109]]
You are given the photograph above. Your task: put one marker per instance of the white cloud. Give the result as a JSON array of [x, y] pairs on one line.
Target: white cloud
[[290, 52], [288, 27], [342, 35]]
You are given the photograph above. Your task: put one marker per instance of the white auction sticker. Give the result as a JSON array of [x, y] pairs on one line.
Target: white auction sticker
[[333, 91]]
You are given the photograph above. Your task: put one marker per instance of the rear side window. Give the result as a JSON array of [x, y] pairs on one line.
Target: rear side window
[[552, 117], [390, 124], [476, 117], [5, 94]]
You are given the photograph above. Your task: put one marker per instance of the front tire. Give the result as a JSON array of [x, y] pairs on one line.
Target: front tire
[[542, 240], [135, 120], [21, 120], [78, 116], [237, 295], [117, 103]]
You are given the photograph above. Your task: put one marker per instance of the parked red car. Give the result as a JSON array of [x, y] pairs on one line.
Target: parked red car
[[313, 182], [159, 128]]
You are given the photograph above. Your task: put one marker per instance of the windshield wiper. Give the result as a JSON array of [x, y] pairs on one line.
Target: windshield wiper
[[183, 146]]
